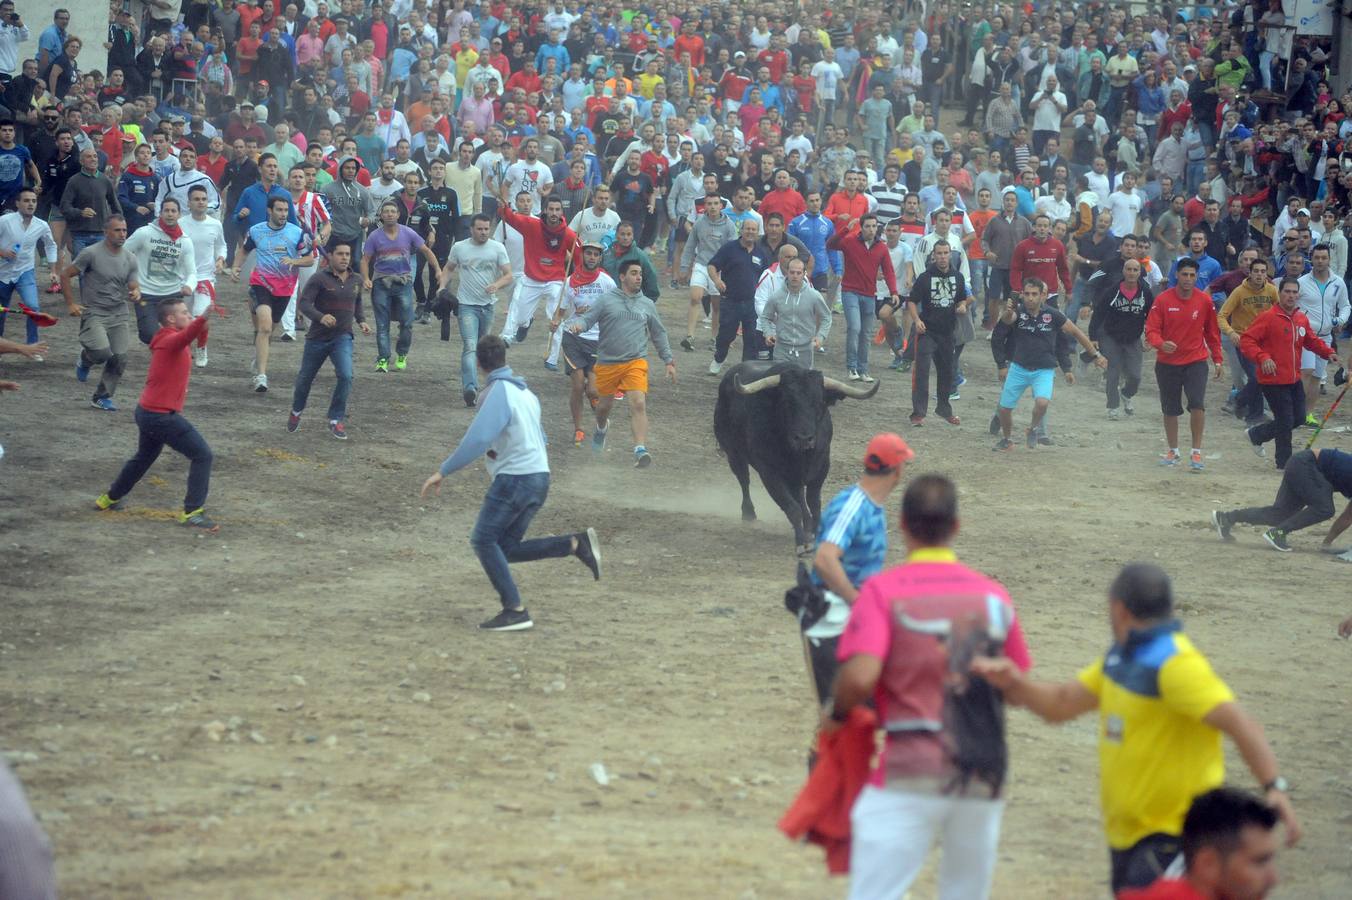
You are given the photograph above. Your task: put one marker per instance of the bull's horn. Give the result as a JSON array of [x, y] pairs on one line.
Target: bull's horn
[[755, 387], [851, 391]]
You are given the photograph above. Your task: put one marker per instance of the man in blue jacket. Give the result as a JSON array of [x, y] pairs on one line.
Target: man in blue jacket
[[506, 431]]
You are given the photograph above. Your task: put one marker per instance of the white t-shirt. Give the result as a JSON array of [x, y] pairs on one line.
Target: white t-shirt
[[208, 244], [1047, 115], [1125, 208], [530, 178], [828, 74], [1099, 185], [1058, 210], [590, 227]]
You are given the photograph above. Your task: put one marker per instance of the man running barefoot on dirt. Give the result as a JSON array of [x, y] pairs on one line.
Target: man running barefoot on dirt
[[1162, 711], [1027, 346], [627, 320], [507, 433], [1182, 328], [159, 416], [585, 285], [282, 250]]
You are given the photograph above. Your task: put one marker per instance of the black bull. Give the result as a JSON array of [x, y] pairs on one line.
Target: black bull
[[776, 418]]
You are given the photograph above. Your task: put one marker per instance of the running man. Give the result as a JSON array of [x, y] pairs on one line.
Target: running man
[[1304, 498], [20, 234], [585, 285], [865, 259], [167, 265], [1182, 328], [708, 234], [1324, 300], [312, 216], [796, 318], [1116, 326], [1162, 711], [484, 270], [108, 282], [548, 244], [912, 632], [282, 248], [1028, 346], [627, 320], [733, 272], [1278, 342], [208, 247], [506, 433], [159, 415], [332, 301], [939, 297], [387, 271]]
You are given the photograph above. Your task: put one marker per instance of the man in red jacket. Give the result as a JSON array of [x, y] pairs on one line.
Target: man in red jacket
[[1183, 330], [1042, 257], [548, 245], [1274, 342], [159, 415], [783, 199], [866, 259]]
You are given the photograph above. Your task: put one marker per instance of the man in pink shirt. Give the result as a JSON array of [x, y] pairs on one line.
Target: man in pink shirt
[[912, 634]]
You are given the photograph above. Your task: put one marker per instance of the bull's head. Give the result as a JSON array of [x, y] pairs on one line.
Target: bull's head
[[801, 401]]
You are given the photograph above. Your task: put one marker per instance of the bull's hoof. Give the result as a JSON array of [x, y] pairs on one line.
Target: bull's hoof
[[748, 515]]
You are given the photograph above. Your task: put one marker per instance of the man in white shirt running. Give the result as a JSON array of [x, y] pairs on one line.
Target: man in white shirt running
[[1125, 205], [208, 247], [528, 175]]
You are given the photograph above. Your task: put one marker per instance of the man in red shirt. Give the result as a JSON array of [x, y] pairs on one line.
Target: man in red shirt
[[689, 42], [866, 259], [775, 58], [1182, 328], [1042, 257], [548, 243], [1274, 341], [1229, 850], [783, 199], [159, 415]]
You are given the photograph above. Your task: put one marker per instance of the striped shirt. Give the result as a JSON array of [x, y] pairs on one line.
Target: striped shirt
[[311, 213], [858, 526], [889, 200]]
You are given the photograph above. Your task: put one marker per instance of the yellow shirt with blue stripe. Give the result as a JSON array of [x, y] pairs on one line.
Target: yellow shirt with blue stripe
[[1155, 752]]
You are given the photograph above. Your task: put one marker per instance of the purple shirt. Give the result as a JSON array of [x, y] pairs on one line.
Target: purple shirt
[[392, 255]]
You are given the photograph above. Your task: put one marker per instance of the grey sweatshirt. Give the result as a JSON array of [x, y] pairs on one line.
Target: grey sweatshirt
[[705, 239], [347, 201], [94, 192], [627, 322], [686, 188], [794, 319]]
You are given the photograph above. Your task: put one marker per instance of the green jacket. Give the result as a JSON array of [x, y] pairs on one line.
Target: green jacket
[[611, 263]]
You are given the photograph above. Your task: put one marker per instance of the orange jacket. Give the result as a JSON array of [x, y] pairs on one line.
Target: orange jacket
[[820, 813]]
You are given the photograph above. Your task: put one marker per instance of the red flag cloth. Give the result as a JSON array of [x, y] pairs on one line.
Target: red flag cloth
[[821, 812]]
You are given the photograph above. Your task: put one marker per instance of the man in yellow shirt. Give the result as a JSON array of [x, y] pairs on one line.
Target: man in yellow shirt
[[1254, 295], [649, 80], [1162, 711]]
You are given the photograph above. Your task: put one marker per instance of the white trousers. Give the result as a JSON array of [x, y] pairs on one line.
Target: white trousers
[[891, 833], [526, 296], [201, 302], [289, 317]]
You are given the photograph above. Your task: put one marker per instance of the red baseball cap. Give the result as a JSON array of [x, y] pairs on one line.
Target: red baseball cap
[[885, 452]]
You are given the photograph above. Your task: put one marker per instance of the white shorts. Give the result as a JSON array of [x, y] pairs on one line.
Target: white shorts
[[699, 278], [1308, 360], [891, 832]]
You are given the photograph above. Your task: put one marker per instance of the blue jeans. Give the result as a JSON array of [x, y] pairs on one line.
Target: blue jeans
[[392, 299], [475, 322], [338, 349], [157, 430], [82, 239], [1077, 299], [27, 288], [979, 267], [509, 506], [859, 312]]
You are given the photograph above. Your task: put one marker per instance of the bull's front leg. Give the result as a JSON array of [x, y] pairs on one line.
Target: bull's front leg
[[789, 498]]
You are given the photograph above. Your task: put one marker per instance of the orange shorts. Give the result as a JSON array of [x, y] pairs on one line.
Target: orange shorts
[[625, 376]]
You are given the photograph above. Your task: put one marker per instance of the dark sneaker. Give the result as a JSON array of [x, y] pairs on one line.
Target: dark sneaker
[[642, 458], [1223, 524], [293, 422], [552, 367], [1045, 440], [104, 403], [995, 424], [338, 430], [1003, 444], [917, 421], [1031, 439], [520, 338], [471, 397], [1276, 539], [287, 337], [198, 520], [508, 620], [598, 440], [81, 372], [687, 345], [589, 551]]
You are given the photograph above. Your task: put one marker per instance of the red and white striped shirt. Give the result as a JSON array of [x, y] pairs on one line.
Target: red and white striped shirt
[[311, 213]]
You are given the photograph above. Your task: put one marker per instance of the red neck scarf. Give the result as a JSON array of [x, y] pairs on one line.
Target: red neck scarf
[[174, 232], [581, 277]]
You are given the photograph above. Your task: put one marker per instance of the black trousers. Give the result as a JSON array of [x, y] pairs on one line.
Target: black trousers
[[731, 315], [1145, 861], [1287, 402], [1304, 498], [156, 431], [937, 348]]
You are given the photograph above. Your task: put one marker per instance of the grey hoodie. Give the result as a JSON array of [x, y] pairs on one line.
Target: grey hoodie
[[348, 202], [705, 239], [795, 318], [627, 322]]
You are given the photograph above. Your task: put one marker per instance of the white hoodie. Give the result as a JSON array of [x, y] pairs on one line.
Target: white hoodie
[[165, 266]]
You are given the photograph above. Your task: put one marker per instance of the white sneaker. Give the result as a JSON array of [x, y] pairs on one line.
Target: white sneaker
[[199, 357], [260, 383], [1128, 406], [706, 322], [854, 376], [865, 377], [715, 367], [1113, 415]]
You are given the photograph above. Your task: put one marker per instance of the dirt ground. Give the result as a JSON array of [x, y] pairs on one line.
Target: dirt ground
[[302, 706]]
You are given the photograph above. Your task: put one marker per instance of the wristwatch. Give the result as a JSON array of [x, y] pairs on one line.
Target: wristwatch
[[1277, 784]]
